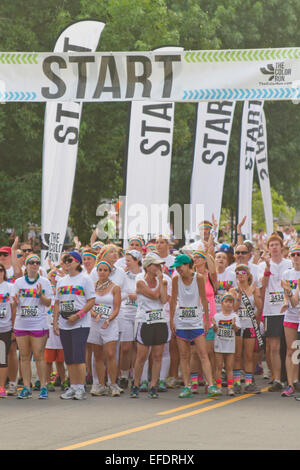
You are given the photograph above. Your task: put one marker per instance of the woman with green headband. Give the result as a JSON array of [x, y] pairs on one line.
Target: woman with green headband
[[104, 332], [33, 297]]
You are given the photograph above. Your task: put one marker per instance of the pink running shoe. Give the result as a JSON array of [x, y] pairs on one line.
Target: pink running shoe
[[3, 393], [288, 391]]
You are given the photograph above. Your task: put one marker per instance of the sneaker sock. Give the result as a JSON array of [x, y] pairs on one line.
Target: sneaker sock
[[219, 383], [124, 374], [194, 379], [229, 383], [248, 378], [237, 376]]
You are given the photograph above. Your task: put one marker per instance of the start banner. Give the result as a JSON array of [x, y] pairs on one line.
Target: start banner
[[187, 76]]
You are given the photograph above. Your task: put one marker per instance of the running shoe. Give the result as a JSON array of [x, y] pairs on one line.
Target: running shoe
[[259, 370], [123, 383], [37, 386], [134, 392], [237, 388], [195, 388], [230, 392], [50, 387], [213, 391], [25, 393], [251, 388], [3, 393], [65, 385], [153, 393], [12, 389], [98, 390], [296, 386], [171, 382], [80, 395], [144, 386], [288, 391], [69, 394], [121, 390], [186, 393], [162, 386], [276, 387], [114, 390], [43, 393]]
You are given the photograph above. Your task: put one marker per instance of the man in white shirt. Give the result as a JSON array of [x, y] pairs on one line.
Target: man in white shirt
[[271, 271]]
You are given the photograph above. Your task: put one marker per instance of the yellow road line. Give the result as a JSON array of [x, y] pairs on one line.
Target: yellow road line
[[190, 405], [156, 423]]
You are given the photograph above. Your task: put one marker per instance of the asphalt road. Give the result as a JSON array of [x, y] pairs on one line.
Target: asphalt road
[[265, 421]]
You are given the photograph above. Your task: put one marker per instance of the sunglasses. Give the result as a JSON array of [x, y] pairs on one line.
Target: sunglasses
[[31, 263], [27, 250], [241, 272], [3, 253], [241, 252], [68, 260], [295, 254]]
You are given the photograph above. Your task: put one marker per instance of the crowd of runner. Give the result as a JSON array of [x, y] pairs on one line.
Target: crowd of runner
[[151, 318]]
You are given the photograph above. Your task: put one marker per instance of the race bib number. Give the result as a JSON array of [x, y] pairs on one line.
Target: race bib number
[[27, 311], [131, 303], [188, 312], [67, 306], [155, 316], [243, 313], [3, 311], [103, 310], [225, 329], [276, 298]]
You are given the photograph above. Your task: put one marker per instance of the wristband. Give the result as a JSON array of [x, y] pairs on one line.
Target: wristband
[[267, 273], [81, 313]]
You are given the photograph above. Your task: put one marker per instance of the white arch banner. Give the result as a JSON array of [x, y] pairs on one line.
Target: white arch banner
[[234, 75]]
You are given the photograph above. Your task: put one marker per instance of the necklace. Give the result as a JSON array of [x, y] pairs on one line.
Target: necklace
[[103, 286], [31, 282]]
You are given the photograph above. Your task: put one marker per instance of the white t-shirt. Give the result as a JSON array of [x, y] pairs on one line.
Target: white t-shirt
[[6, 299], [224, 341], [31, 312], [121, 263], [73, 292], [129, 307], [292, 314], [10, 275], [53, 341], [93, 274], [274, 294], [255, 270]]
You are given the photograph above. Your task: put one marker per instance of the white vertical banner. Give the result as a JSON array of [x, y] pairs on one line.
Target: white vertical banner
[[249, 135], [212, 137], [149, 153], [263, 173], [61, 133]]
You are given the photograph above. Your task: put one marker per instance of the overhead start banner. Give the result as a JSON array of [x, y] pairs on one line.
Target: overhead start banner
[[212, 137], [234, 75], [251, 120], [149, 155], [61, 133], [261, 159]]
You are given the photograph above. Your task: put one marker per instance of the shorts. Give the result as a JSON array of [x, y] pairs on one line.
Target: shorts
[[189, 335], [74, 344], [126, 328], [274, 326], [210, 335], [153, 335], [291, 324], [102, 336], [33, 333], [246, 333], [5, 342], [54, 355]]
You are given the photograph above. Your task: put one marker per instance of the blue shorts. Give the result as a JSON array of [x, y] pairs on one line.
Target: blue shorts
[[210, 336], [74, 344], [189, 335]]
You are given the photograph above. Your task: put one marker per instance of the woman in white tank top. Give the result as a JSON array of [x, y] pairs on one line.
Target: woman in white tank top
[[186, 321], [104, 329]]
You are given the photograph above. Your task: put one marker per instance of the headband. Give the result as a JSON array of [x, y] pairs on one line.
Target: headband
[[136, 239], [207, 225], [200, 253], [227, 295], [87, 253], [106, 263], [30, 257], [295, 249]]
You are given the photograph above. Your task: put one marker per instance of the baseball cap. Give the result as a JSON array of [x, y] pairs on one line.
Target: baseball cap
[[152, 258], [6, 249], [181, 259]]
